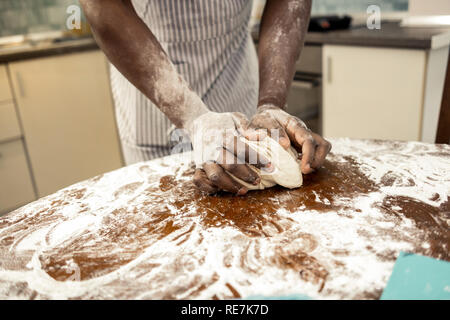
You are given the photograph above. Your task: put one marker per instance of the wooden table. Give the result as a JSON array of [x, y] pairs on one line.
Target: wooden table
[[143, 231]]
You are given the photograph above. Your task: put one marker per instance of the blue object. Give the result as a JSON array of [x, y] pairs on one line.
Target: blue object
[[287, 297], [418, 277]]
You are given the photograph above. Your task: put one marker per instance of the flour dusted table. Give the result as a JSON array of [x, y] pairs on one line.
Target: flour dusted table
[[144, 232]]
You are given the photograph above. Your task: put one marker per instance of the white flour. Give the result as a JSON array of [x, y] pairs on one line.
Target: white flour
[[356, 243]]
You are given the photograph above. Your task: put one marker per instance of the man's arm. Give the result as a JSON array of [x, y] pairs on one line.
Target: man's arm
[[133, 49], [283, 28], [136, 53], [281, 37]]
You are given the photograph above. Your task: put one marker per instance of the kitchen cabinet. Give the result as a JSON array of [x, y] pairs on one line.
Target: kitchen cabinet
[[16, 186], [372, 92], [67, 116], [9, 124], [5, 91], [382, 93]]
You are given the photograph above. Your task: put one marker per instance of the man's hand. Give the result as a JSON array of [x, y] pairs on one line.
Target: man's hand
[[283, 28], [218, 152], [290, 129]]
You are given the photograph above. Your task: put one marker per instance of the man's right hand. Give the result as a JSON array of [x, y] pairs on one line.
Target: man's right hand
[[218, 152]]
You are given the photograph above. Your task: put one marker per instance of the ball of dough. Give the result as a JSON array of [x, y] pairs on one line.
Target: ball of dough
[[286, 173]]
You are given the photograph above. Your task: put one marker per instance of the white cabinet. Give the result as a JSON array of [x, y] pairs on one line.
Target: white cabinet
[[67, 117], [15, 180], [373, 92], [5, 91], [9, 124], [16, 187]]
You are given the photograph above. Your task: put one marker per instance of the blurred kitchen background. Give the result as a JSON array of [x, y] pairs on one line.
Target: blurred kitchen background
[[57, 121], [29, 16]]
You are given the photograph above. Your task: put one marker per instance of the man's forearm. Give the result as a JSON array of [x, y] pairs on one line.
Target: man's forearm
[[136, 53], [282, 34]]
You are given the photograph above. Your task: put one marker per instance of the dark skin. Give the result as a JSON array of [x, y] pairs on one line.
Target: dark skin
[[135, 52], [283, 28], [133, 49]]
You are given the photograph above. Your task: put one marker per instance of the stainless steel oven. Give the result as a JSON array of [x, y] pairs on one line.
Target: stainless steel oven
[[305, 96]]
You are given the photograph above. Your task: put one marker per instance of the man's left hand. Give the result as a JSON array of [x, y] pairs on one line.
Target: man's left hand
[[291, 130]]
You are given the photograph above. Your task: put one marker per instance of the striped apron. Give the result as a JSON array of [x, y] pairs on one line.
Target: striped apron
[[209, 43]]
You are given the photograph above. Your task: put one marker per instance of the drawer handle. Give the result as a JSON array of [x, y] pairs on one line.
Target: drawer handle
[[329, 69], [304, 84]]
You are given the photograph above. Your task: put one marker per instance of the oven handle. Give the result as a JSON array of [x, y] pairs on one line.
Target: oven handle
[[307, 84]]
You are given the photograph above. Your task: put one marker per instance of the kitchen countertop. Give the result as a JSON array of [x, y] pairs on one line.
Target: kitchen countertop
[[46, 48], [390, 35], [145, 232]]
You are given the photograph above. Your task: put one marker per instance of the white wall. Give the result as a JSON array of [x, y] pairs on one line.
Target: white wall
[[429, 7]]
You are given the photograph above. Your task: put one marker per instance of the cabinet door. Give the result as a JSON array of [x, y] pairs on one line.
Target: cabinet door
[[67, 115], [15, 180], [5, 90], [373, 92], [9, 124]]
